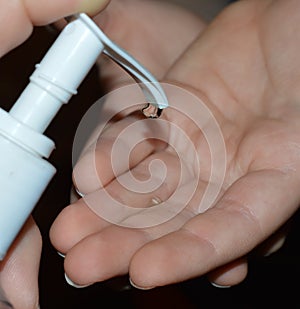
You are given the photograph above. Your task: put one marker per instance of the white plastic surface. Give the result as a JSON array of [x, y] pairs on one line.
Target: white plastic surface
[[153, 91], [24, 174], [58, 76], [24, 136], [23, 179]]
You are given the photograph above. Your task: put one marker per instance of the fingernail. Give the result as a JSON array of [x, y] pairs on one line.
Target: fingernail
[[92, 6], [275, 247], [156, 201], [139, 287], [78, 192], [220, 286], [61, 254], [74, 285]]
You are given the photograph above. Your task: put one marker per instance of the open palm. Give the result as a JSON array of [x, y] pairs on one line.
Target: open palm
[[240, 75]]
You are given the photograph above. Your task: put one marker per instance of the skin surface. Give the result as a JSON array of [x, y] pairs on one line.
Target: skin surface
[[244, 68]]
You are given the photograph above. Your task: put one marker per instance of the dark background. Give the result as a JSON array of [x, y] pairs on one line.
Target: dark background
[[271, 281]]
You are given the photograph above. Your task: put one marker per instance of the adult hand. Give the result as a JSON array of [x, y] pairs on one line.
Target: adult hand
[[19, 269], [244, 67]]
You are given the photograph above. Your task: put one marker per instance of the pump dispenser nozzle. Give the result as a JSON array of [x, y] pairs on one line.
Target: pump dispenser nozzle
[[24, 172]]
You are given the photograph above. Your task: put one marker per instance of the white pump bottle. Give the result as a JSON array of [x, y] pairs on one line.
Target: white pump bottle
[[24, 172]]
